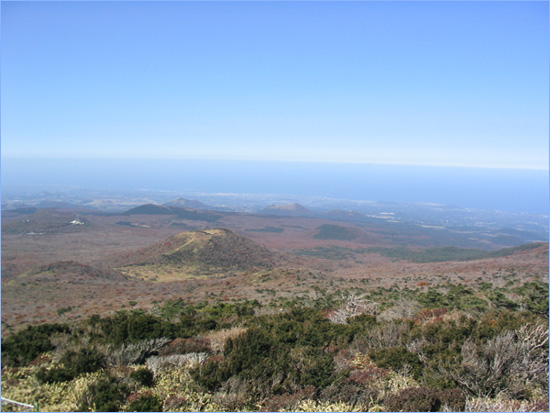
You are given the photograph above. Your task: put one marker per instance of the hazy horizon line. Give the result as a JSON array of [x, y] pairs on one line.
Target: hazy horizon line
[[291, 161]]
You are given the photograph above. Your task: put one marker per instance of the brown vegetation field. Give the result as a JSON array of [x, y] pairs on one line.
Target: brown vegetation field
[[302, 260]]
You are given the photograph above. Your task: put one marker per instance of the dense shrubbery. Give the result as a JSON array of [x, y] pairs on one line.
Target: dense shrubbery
[[267, 364], [424, 399], [146, 402], [396, 358], [454, 347], [143, 376], [24, 346], [73, 363], [106, 395]]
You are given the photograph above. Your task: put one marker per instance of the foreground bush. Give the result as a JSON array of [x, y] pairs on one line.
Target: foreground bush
[[146, 402], [425, 399], [106, 395], [143, 376], [24, 346], [514, 362], [73, 363], [224, 358]]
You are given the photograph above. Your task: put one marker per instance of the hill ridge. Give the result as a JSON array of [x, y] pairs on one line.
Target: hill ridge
[[206, 252], [292, 209]]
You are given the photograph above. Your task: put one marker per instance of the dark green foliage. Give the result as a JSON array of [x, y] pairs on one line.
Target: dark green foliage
[[494, 323], [312, 367], [147, 402], [308, 327], [361, 323], [73, 363], [448, 253], [396, 358], [535, 297], [247, 351], [424, 399], [64, 310], [24, 346], [298, 353], [281, 355], [106, 395], [210, 375], [151, 209], [499, 300], [177, 320], [289, 347], [143, 376], [267, 229], [337, 232], [54, 375], [458, 297], [129, 327], [84, 360]]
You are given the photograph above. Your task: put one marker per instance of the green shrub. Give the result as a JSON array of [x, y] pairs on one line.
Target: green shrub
[[396, 358], [130, 327], [85, 360], [54, 375], [147, 402], [64, 310], [535, 296], [143, 376], [310, 367], [24, 346], [73, 363], [106, 395], [210, 375]]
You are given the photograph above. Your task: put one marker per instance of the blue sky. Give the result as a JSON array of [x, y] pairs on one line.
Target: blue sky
[[418, 83]]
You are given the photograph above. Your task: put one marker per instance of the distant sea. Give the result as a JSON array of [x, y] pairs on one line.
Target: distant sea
[[514, 190]]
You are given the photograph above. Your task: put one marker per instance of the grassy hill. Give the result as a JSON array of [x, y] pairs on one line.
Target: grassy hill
[[66, 271], [208, 252]]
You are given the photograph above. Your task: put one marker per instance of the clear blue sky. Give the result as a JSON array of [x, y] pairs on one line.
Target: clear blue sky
[[432, 83]]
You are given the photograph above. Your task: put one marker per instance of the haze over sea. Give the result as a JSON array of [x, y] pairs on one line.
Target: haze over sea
[[514, 190]]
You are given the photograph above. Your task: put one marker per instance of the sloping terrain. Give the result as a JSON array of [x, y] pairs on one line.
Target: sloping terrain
[[187, 203], [66, 271], [258, 257], [185, 213], [33, 221], [341, 215], [289, 210], [336, 232], [207, 252]]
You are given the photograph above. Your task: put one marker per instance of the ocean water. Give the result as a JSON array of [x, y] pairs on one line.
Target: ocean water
[[515, 190]]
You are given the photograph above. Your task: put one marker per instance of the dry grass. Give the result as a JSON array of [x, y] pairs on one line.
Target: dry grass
[[219, 337]]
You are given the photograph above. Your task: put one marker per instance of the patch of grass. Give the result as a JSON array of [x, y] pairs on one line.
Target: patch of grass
[[64, 310]]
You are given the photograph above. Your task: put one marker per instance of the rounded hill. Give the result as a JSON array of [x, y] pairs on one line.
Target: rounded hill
[[206, 252], [68, 271]]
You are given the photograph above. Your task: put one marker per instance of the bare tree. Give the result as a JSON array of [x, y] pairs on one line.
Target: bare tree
[[506, 364], [353, 305]]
